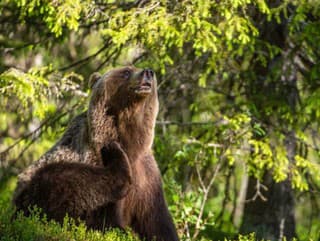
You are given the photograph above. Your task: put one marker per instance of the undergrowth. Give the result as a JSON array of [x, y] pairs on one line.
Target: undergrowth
[[37, 228]]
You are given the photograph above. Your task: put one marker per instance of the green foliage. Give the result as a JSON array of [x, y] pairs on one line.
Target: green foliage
[[29, 98], [37, 228], [225, 70], [186, 210], [27, 88], [34, 89], [55, 14]]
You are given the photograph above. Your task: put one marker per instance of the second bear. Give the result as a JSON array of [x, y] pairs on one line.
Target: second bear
[[78, 189]]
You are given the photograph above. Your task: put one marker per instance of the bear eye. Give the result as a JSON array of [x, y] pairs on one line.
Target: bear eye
[[126, 74]]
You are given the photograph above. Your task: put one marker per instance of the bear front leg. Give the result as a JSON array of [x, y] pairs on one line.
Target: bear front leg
[[118, 168]]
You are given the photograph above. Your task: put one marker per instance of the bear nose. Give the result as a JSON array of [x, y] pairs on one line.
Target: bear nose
[[147, 75]]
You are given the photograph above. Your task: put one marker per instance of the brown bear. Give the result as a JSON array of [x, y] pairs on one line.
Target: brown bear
[[77, 189], [126, 99]]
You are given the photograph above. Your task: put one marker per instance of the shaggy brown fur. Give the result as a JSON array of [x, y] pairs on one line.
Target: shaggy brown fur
[[124, 98], [77, 189]]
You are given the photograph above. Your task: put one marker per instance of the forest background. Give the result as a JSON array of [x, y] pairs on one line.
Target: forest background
[[237, 136]]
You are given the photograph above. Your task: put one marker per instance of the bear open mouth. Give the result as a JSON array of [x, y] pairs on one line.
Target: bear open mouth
[[143, 89]]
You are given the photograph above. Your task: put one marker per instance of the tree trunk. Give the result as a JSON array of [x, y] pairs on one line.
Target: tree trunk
[[274, 218]]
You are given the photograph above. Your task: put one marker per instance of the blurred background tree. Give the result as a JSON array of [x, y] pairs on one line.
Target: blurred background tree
[[237, 137]]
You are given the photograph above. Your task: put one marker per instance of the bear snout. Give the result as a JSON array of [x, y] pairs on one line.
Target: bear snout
[[145, 81], [147, 74]]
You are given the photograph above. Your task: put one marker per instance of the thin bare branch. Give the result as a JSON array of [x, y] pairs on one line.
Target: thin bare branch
[[162, 123], [204, 200], [258, 193]]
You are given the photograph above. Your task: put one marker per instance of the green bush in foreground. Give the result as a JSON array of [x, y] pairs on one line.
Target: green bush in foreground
[[36, 228]]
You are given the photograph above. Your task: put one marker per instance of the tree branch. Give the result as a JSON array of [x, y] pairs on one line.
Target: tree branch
[[167, 123], [86, 59]]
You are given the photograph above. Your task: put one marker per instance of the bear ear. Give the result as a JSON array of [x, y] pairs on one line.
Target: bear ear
[[93, 79]]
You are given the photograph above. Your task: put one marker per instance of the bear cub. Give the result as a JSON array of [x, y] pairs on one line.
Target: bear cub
[[58, 188]]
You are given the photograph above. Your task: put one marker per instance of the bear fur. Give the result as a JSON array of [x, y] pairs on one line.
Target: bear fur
[[123, 108], [77, 189]]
